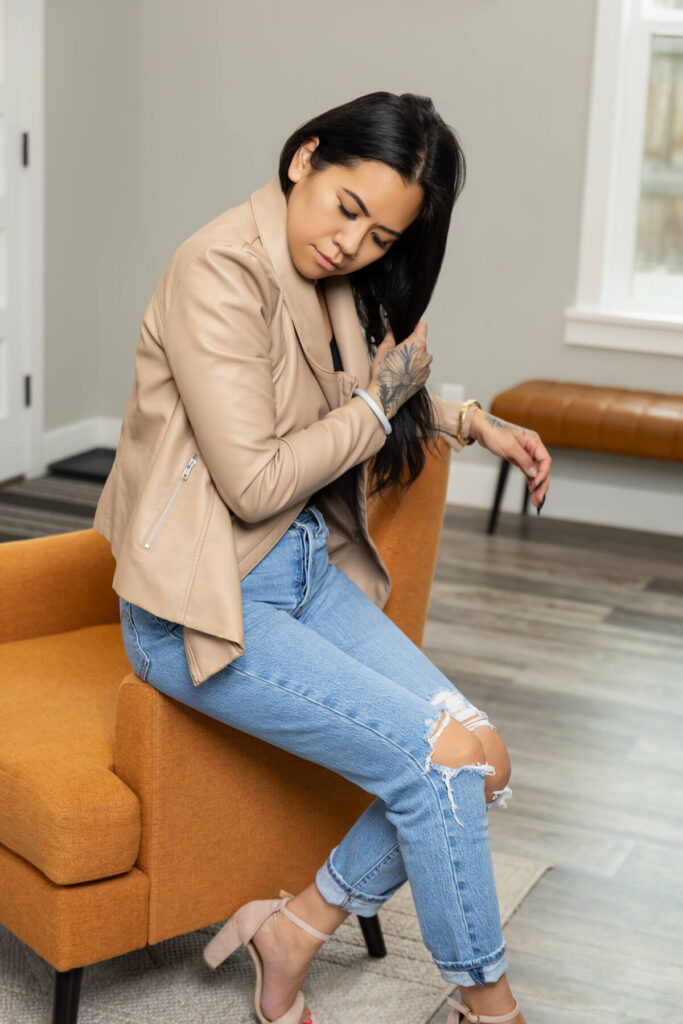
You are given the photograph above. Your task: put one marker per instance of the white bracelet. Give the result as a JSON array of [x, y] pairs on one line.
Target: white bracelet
[[375, 408]]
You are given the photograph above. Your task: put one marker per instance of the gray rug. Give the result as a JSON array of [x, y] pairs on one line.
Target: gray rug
[[169, 982]]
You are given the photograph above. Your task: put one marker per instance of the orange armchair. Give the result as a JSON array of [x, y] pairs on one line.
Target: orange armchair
[[113, 795]]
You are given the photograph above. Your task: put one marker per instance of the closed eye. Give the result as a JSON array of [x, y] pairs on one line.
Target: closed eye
[[352, 216]]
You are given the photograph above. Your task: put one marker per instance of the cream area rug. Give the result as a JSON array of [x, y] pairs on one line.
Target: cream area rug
[[168, 983]]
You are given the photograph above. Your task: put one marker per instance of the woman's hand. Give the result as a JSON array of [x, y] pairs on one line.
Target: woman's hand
[[519, 445], [398, 371]]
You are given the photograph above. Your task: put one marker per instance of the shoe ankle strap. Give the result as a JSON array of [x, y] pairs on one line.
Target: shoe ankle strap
[[480, 1018], [302, 924]]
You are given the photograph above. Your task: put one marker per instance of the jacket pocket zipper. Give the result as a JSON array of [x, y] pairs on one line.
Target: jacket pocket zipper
[[169, 505]]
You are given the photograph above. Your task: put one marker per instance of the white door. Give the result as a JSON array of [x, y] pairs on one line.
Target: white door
[[20, 222]]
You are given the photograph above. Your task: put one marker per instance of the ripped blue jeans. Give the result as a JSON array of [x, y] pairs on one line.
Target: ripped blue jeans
[[327, 676]]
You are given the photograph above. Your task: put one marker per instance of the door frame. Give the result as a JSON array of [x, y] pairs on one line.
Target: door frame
[[33, 21], [24, 59]]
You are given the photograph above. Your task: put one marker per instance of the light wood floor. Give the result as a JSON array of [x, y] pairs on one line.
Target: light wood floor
[[570, 637]]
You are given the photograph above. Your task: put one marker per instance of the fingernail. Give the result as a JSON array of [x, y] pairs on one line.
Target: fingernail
[[533, 471], [539, 484], [540, 505]]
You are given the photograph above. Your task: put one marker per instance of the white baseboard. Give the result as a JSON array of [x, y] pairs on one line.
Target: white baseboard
[[584, 501], [570, 497], [98, 432]]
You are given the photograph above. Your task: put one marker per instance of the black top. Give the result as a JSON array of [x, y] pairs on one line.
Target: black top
[[336, 358]]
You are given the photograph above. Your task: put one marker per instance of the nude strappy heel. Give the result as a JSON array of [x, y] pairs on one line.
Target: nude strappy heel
[[239, 930], [463, 1013]]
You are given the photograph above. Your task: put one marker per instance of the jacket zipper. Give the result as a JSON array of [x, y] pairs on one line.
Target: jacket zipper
[[186, 472]]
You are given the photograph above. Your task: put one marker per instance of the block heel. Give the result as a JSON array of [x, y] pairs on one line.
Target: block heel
[[240, 930], [222, 944]]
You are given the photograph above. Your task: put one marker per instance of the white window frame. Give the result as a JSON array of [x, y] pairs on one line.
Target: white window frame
[[604, 314]]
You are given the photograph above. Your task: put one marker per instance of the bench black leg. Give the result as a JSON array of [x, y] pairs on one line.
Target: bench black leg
[[525, 499], [66, 995], [372, 933], [500, 487]]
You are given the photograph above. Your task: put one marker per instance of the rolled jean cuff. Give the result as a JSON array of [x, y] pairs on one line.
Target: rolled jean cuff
[[479, 975], [332, 888]]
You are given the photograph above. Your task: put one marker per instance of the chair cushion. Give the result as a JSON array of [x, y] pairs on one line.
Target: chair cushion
[[62, 807], [603, 419]]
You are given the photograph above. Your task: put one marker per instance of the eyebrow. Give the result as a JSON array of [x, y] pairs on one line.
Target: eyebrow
[[367, 213]]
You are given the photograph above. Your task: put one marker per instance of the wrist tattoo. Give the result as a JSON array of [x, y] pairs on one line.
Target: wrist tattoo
[[494, 421]]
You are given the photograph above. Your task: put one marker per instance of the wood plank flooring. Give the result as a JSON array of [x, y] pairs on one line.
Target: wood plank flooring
[[570, 637]]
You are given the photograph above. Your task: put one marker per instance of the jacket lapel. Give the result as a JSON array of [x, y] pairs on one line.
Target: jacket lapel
[[269, 206]]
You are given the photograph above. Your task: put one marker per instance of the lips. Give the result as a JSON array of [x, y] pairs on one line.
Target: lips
[[325, 260]]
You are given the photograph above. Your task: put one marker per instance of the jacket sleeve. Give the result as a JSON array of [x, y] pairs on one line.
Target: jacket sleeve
[[446, 419], [217, 343]]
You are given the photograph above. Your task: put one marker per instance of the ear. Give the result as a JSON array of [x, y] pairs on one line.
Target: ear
[[300, 164]]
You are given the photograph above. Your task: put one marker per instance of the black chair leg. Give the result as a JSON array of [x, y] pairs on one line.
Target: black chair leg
[[67, 994], [372, 933], [525, 499], [500, 487]]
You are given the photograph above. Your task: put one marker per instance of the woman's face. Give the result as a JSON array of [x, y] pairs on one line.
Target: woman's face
[[341, 218]]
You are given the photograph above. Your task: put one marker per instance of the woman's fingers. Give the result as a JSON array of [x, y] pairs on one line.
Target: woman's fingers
[[540, 456], [420, 332], [520, 446], [535, 464], [388, 339]]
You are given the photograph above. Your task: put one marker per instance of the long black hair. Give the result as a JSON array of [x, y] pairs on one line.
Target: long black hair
[[405, 132]]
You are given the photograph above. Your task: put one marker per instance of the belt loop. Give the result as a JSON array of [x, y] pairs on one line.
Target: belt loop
[[319, 519]]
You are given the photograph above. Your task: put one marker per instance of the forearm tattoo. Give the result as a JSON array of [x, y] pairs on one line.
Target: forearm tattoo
[[403, 372], [494, 421]]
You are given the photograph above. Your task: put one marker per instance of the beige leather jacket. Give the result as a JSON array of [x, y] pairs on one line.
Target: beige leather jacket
[[235, 421]]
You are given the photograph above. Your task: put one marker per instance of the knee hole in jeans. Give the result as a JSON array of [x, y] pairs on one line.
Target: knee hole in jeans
[[454, 747]]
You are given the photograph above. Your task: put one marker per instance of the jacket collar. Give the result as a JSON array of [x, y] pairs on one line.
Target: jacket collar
[[269, 206]]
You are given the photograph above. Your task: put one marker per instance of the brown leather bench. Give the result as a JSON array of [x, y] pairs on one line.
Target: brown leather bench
[[620, 421]]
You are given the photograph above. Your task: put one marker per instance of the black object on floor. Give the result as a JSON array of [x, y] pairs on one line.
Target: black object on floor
[[95, 464], [500, 488], [67, 992], [372, 933]]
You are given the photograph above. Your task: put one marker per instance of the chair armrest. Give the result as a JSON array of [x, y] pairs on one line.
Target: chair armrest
[[55, 584]]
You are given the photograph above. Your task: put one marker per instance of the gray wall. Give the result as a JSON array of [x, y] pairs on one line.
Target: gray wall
[[160, 114], [93, 288]]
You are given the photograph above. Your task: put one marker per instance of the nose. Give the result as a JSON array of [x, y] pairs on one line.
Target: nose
[[349, 240]]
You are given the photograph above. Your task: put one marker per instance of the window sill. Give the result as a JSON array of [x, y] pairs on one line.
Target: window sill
[[624, 330]]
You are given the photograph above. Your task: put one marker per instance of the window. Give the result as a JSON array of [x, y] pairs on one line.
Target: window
[[630, 281], [658, 271]]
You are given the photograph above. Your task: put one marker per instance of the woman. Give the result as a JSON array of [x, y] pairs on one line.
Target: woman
[[268, 374]]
